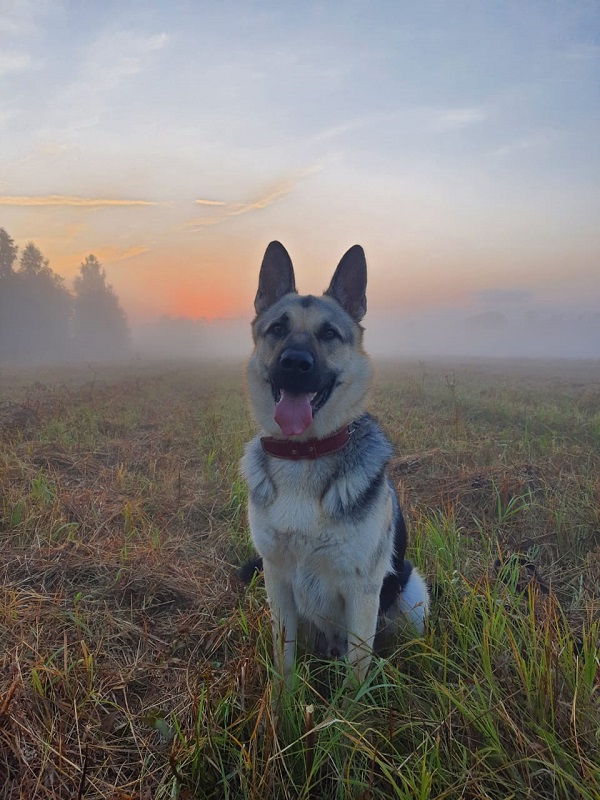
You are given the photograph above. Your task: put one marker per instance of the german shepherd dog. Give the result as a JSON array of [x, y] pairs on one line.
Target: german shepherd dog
[[323, 514]]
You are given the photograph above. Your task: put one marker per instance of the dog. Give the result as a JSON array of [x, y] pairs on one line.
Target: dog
[[323, 514]]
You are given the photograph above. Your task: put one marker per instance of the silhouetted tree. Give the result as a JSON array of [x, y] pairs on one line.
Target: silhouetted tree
[[40, 318], [33, 263], [44, 308], [8, 253], [11, 297], [8, 294], [100, 324]]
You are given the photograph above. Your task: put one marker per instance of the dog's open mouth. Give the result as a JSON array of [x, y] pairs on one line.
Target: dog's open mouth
[[294, 412]]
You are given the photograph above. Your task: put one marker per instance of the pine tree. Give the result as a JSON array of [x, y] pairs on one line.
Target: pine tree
[[8, 254], [45, 306], [100, 324], [8, 295]]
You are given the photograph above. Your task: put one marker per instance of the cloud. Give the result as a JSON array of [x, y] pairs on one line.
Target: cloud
[[45, 150], [21, 18], [110, 65], [512, 147], [456, 118], [118, 55], [155, 42], [69, 200], [110, 255], [541, 139], [41, 153], [351, 125], [14, 62], [436, 119], [132, 252], [8, 114], [210, 202], [26, 17], [228, 210], [204, 222], [13, 27], [418, 117], [270, 195]]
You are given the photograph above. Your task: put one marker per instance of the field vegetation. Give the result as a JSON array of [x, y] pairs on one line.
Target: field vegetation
[[134, 664]]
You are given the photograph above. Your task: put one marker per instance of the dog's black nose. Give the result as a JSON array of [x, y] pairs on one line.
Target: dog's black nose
[[296, 361]]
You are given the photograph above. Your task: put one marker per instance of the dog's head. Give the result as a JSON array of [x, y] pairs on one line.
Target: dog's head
[[308, 374]]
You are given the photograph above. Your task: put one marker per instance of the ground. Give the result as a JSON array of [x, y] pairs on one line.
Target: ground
[[134, 664]]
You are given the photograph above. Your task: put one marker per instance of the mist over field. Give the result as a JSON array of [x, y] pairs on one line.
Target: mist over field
[[488, 334], [491, 334], [526, 333]]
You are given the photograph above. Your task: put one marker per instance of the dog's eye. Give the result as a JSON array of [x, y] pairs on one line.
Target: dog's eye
[[277, 329], [327, 334]]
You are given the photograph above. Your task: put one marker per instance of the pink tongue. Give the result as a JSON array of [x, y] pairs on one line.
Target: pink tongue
[[293, 413]]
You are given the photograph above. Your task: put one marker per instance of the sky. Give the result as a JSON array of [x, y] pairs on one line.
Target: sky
[[458, 142]]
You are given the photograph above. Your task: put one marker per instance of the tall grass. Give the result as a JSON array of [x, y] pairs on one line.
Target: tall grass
[[134, 665]]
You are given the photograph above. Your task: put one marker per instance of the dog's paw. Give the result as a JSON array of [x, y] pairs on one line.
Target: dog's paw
[[332, 647]]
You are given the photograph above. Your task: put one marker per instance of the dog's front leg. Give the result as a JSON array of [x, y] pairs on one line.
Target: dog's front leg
[[361, 617], [285, 620]]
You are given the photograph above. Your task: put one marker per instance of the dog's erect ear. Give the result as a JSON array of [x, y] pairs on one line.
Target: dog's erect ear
[[349, 283], [276, 277]]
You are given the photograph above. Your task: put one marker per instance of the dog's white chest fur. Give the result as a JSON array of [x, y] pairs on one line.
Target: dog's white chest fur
[[301, 520], [294, 530]]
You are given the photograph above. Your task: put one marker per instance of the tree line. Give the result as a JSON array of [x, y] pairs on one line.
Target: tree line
[[40, 319]]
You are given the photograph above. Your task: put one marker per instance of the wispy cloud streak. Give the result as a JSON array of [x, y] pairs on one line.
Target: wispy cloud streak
[[457, 118], [70, 200], [132, 252], [111, 255], [419, 117], [229, 210], [270, 195], [535, 141]]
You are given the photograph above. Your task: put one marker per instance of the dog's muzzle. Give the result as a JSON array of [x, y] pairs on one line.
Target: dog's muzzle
[[296, 371], [299, 389]]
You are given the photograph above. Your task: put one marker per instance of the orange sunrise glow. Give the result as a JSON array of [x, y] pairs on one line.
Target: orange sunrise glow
[[196, 304]]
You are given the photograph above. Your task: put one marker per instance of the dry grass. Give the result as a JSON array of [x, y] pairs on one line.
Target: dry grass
[[134, 665]]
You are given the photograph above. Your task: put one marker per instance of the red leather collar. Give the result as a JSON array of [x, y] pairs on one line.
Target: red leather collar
[[310, 448]]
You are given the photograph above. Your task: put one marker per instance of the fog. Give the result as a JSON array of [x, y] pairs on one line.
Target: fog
[[179, 337], [534, 334], [542, 333], [514, 330]]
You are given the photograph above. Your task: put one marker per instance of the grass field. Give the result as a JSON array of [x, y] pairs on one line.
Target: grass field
[[133, 664]]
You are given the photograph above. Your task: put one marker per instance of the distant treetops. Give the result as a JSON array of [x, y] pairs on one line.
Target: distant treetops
[[40, 319]]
